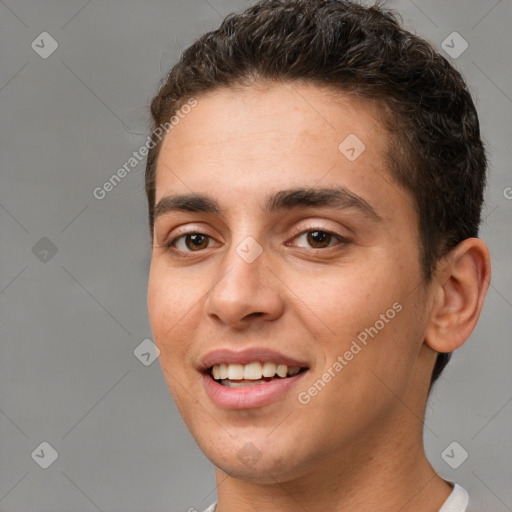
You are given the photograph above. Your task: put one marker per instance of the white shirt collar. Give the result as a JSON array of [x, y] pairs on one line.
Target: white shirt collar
[[457, 501]]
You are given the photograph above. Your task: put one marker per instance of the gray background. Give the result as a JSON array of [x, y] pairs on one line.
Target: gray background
[[72, 320]]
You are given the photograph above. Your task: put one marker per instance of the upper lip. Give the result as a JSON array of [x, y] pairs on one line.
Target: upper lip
[[246, 356]]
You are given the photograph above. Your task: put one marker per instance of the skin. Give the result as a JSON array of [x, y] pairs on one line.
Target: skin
[[357, 445]]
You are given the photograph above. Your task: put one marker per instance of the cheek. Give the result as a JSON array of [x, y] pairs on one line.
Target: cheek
[[170, 304], [347, 301], [379, 342], [171, 311], [368, 316], [170, 295]]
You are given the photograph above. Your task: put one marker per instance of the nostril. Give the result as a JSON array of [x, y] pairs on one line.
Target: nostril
[[256, 314]]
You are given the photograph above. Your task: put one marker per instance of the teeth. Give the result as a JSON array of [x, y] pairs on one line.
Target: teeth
[[235, 371], [241, 383], [269, 369], [252, 371], [223, 371], [282, 370]]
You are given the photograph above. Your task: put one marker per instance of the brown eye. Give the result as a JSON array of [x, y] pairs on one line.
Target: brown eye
[[316, 238], [196, 241], [319, 239], [189, 242]]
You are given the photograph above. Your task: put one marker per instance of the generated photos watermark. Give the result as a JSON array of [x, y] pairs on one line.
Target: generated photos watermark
[[343, 360], [137, 156]]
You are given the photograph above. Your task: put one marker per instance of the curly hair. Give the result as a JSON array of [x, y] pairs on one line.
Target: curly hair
[[435, 150]]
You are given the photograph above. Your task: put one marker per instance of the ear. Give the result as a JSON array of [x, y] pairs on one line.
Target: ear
[[459, 286]]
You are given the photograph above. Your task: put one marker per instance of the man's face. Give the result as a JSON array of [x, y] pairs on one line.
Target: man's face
[[332, 287]]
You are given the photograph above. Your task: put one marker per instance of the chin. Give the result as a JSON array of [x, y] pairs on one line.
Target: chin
[[263, 472], [254, 459]]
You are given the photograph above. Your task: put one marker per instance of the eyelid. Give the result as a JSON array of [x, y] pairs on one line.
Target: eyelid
[[185, 229]]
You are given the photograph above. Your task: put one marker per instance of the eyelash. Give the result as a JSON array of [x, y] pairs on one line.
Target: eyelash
[[299, 231]]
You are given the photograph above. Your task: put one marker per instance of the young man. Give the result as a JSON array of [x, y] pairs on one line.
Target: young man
[[314, 208]]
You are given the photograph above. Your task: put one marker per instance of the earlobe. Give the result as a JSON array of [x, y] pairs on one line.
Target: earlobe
[[460, 285]]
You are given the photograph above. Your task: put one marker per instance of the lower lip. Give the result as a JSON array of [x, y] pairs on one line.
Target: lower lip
[[248, 397]]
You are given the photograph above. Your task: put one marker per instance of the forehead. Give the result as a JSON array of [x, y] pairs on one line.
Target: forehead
[[274, 137], [321, 117]]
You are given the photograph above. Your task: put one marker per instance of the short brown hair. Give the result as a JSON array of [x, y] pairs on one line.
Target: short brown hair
[[437, 153]]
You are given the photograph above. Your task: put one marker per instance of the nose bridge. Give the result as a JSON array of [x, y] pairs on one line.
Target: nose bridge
[[243, 290], [244, 263]]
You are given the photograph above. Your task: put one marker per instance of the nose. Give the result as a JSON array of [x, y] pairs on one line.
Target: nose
[[246, 290]]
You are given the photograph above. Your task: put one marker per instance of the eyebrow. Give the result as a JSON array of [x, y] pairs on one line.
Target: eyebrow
[[333, 197]]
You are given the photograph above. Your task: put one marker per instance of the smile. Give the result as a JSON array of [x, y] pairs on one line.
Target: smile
[[252, 374], [250, 378]]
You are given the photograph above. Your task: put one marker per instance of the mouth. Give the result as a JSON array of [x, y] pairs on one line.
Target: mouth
[[249, 379], [252, 374]]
